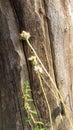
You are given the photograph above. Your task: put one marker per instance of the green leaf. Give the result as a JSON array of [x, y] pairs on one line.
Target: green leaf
[[26, 84], [28, 90], [42, 129], [26, 105], [36, 128], [30, 100], [40, 122], [27, 95], [33, 112], [27, 120], [22, 97], [34, 63]]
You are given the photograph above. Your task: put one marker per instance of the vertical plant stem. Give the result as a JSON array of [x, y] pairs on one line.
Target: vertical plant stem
[[41, 85], [28, 110], [32, 118], [61, 98], [54, 94]]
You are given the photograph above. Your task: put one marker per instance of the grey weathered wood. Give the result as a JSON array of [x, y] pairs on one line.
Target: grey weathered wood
[[50, 24], [13, 71]]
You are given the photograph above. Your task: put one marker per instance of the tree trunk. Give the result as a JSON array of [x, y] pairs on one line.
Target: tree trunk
[[50, 23]]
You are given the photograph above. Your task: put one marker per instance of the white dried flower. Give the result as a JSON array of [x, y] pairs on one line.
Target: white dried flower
[[25, 35], [32, 58], [35, 64], [38, 69]]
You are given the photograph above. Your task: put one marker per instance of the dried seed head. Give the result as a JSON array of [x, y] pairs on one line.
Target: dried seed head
[[32, 58], [25, 35], [38, 68], [35, 64]]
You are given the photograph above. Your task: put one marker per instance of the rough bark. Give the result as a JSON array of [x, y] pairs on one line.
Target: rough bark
[[50, 24]]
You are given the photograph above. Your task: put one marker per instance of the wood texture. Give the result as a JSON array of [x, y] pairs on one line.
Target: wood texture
[[50, 24]]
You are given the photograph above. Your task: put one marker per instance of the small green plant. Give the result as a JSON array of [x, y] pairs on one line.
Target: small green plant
[[39, 70], [25, 36], [27, 98]]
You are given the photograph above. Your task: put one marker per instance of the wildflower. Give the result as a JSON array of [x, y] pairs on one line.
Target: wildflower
[[33, 60], [37, 67], [25, 35]]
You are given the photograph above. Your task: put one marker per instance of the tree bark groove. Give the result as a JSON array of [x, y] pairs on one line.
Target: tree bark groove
[[50, 24]]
